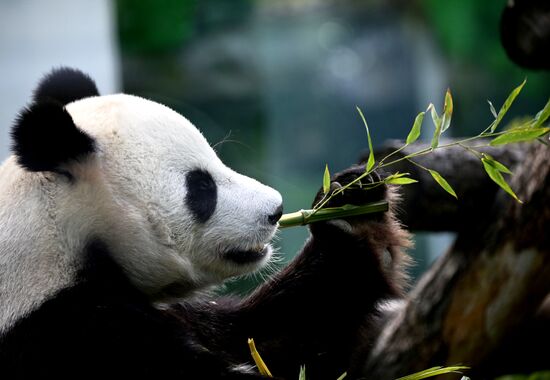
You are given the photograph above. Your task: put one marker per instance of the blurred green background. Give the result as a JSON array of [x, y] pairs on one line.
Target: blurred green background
[[273, 84]]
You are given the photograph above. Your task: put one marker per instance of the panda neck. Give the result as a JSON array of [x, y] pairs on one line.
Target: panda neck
[[33, 265], [38, 257]]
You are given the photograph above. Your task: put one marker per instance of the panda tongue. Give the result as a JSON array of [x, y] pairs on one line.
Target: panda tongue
[[246, 257]]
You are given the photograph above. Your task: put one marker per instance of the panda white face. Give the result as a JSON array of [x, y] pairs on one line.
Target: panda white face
[[174, 216]]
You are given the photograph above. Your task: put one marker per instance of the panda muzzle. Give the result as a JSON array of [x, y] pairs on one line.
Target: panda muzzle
[[247, 256]]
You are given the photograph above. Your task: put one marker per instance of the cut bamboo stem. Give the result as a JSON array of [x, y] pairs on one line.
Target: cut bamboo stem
[[303, 217]]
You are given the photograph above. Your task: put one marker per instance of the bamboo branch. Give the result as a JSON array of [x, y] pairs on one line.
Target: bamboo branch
[[425, 207], [303, 217]]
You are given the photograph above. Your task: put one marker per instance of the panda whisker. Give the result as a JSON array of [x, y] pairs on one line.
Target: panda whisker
[[227, 139], [276, 237], [223, 140], [272, 267]]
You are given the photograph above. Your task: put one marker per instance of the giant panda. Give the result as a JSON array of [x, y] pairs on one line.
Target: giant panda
[[117, 218]]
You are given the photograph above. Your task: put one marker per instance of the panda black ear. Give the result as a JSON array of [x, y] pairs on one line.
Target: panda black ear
[[45, 137], [65, 85]]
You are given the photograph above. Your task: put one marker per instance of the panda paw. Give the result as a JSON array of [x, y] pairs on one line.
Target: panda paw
[[357, 194]]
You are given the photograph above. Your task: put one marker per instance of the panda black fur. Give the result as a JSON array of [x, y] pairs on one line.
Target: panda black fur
[[116, 213]]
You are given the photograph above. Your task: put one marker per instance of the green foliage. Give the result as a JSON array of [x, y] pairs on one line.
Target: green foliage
[[494, 171], [326, 180], [505, 107], [302, 373], [447, 111], [497, 165], [518, 135], [441, 123], [524, 131], [370, 161], [437, 123], [442, 182], [435, 371], [492, 109], [414, 134], [342, 376], [401, 181], [542, 116]]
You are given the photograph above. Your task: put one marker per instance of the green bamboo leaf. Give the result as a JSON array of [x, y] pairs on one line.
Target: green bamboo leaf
[[507, 103], [517, 135], [542, 116], [492, 108], [447, 111], [414, 134], [495, 175], [435, 371], [302, 373], [401, 181], [397, 175], [497, 165], [442, 182], [370, 161], [326, 180], [342, 376], [433, 112], [437, 123]]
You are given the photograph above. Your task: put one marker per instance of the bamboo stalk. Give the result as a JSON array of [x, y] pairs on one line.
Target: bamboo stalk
[[303, 217]]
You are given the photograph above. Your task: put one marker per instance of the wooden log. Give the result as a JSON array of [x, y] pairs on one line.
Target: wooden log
[[490, 284]]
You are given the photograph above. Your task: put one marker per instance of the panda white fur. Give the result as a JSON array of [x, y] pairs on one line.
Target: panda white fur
[[115, 212]]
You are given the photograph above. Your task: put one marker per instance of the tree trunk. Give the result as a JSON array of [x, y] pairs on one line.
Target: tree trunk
[[478, 296]]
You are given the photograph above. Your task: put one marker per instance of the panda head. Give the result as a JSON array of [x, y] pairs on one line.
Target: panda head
[[142, 179]]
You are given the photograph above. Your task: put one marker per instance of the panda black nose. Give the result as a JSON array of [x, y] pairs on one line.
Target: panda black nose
[[274, 218]]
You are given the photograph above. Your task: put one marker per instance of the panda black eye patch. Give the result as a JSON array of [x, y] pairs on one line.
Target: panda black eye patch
[[202, 194]]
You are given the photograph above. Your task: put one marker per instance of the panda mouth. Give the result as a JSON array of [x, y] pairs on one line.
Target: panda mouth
[[239, 256]]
